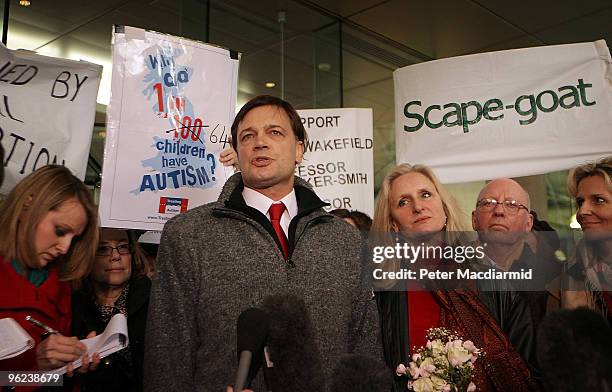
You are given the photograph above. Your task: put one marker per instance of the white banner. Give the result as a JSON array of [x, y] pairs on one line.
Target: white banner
[[338, 162], [47, 110], [172, 104], [506, 114]]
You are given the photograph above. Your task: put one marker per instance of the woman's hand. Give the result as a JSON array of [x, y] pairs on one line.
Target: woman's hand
[[228, 157], [58, 350]]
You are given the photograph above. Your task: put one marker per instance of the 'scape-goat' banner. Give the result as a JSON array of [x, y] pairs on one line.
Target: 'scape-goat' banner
[[47, 110], [506, 114], [172, 104], [338, 160]]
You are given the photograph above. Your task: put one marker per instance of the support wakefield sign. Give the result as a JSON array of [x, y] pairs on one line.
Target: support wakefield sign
[[506, 114], [338, 160], [47, 109]]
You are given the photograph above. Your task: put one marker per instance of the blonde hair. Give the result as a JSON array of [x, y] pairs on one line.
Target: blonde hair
[[383, 222], [602, 168], [29, 202]]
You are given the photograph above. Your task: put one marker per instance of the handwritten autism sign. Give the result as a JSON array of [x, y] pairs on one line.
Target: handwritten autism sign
[[47, 109], [171, 108]]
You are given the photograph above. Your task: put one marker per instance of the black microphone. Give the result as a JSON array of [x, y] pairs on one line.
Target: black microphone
[[292, 346], [252, 332], [360, 373]]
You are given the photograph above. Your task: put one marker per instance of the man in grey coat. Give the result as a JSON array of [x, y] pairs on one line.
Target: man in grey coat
[[219, 259]]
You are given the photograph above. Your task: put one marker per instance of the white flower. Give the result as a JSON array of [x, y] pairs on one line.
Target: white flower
[[416, 357], [458, 355], [437, 383], [437, 347], [471, 387], [423, 385], [441, 361], [400, 370]]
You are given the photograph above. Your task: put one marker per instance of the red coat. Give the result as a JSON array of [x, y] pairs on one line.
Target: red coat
[[49, 303]]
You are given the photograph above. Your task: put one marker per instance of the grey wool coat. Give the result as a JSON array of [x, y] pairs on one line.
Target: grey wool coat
[[217, 260]]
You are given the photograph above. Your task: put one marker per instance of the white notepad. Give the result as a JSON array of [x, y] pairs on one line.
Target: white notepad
[[14, 340], [114, 338]]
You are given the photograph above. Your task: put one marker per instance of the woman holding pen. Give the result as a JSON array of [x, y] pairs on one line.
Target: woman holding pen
[[48, 239], [117, 284]]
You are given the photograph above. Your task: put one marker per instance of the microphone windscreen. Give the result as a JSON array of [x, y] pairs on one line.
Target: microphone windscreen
[[360, 373], [252, 332], [292, 345]]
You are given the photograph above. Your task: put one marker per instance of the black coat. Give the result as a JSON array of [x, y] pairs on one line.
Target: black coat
[[111, 375]]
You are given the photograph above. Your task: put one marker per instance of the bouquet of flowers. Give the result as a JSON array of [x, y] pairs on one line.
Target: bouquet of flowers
[[445, 364]]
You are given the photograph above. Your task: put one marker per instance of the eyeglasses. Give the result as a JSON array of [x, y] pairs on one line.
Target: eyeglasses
[[107, 250], [512, 207]]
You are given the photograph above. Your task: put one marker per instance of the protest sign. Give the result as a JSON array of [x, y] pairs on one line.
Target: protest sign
[[172, 103], [47, 110], [338, 160], [506, 114]]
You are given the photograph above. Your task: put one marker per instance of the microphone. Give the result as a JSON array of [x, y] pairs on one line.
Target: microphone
[[360, 373], [252, 331], [292, 346]]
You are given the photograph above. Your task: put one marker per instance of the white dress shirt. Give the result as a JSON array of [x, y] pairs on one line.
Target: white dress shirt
[[262, 203]]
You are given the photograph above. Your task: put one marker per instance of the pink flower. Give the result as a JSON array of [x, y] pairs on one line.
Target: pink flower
[[400, 370], [414, 370], [416, 357], [446, 388], [474, 358], [425, 370], [469, 345], [429, 368], [471, 387], [409, 385]]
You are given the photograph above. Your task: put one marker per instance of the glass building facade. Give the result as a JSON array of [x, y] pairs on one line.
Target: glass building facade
[[293, 49]]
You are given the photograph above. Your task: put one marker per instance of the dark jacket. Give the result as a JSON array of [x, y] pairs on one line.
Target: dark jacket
[[506, 306], [545, 269], [112, 374]]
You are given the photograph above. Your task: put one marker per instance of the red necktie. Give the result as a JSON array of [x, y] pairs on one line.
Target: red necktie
[[276, 211]]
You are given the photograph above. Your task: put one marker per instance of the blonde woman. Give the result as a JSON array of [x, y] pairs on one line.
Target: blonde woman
[[590, 273], [48, 239], [412, 201]]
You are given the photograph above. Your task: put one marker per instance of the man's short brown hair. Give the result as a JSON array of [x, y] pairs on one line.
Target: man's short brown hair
[[265, 100]]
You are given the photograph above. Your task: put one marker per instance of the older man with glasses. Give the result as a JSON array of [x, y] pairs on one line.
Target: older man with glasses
[[503, 221], [501, 218]]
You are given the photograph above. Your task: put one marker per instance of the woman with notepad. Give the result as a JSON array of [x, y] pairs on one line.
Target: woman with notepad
[[117, 285], [48, 239]]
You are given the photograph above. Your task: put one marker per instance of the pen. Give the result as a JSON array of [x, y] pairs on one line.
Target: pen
[[48, 330]]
